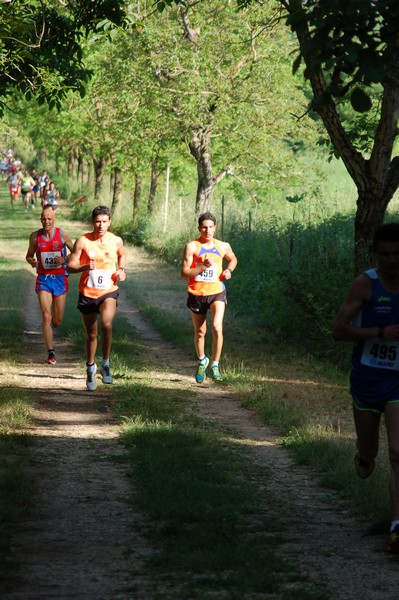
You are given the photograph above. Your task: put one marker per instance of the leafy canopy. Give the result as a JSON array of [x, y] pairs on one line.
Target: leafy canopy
[[40, 46]]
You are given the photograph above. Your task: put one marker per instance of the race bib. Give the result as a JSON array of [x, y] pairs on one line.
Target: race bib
[[48, 260], [210, 275], [380, 354], [100, 279]]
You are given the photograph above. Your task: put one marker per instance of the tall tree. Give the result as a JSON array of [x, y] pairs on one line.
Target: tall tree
[[351, 51], [209, 73], [40, 45]]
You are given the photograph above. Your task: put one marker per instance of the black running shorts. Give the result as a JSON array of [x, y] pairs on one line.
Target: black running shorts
[[89, 306], [201, 304]]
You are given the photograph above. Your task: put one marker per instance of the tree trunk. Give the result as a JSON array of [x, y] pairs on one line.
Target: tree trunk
[[42, 156], [82, 168], [98, 164], [137, 199], [369, 216], [90, 174], [70, 165], [200, 149], [117, 191], [155, 173]]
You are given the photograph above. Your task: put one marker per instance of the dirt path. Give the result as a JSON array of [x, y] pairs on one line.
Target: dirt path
[[83, 538], [78, 542]]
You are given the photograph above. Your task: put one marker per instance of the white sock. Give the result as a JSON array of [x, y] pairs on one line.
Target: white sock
[[105, 362], [215, 363], [202, 360]]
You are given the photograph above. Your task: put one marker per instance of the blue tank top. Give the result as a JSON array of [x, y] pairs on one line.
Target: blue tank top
[[381, 310]]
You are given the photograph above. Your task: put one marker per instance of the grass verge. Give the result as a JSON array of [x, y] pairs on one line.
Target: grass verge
[[304, 399], [16, 484], [211, 512]]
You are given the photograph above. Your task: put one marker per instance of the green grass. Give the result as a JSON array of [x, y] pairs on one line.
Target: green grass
[[333, 457], [210, 522], [199, 495], [16, 485], [11, 308]]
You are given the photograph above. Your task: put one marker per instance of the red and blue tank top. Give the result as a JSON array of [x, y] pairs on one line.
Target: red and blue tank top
[[47, 250]]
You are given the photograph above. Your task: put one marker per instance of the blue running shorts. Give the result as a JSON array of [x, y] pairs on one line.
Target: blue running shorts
[[56, 285]]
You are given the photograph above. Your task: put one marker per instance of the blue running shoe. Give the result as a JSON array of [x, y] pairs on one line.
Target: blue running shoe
[[201, 371], [216, 376]]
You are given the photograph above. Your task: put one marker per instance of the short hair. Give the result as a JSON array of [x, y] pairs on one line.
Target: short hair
[[389, 232], [207, 216], [100, 210], [47, 206]]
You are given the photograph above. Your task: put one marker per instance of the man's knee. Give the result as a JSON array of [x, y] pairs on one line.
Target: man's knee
[[200, 334], [106, 323], [46, 317], [56, 322], [217, 328]]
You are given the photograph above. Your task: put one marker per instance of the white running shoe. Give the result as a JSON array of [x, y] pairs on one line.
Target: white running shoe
[[106, 374], [91, 383]]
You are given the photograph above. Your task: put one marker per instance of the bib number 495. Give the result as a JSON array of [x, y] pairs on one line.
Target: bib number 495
[[383, 352]]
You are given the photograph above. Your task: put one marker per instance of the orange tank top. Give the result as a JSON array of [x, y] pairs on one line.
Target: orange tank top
[[209, 282], [102, 279]]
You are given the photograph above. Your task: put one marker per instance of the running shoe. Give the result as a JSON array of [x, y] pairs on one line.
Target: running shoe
[[393, 543], [216, 376], [201, 371], [363, 469], [91, 383], [51, 360], [106, 374]]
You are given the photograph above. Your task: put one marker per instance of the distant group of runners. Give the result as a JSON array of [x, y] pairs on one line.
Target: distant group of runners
[[33, 188]]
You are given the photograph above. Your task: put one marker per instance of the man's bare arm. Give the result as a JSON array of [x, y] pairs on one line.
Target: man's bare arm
[[30, 254]]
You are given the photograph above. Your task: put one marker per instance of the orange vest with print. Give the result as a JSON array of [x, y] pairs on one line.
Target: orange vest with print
[[209, 282], [102, 279]]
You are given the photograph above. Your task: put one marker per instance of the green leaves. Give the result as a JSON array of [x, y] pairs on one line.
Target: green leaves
[[40, 45], [353, 41]]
